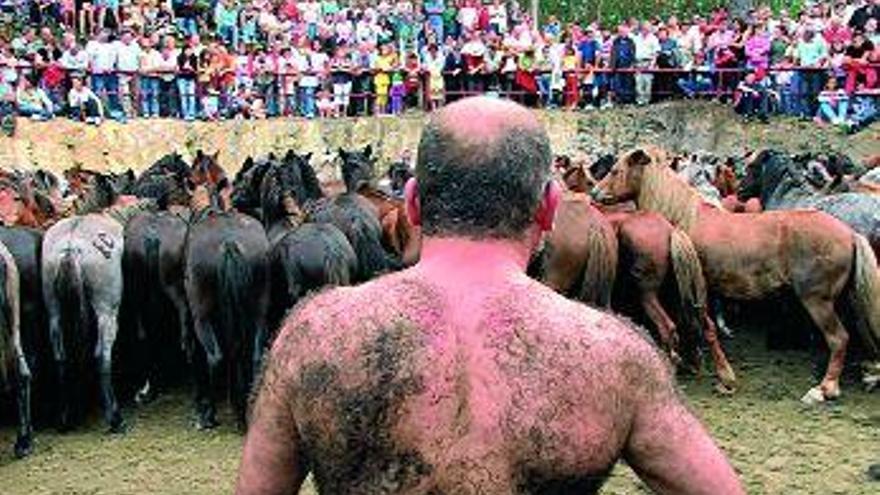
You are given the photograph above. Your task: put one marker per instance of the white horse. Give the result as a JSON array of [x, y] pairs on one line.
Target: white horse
[[82, 276]]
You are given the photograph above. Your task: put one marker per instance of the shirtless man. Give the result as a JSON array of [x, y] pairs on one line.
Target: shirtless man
[[461, 375]]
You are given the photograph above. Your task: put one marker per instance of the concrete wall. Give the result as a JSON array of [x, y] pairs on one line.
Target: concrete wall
[[681, 126]]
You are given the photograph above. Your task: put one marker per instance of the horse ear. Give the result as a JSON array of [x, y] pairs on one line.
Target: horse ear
[[272, 156], [639, 158], [343, 154], [368, 150], [289, 156], [199, 154], [129, 174], [307, 158], [248, 163], [216, 155]]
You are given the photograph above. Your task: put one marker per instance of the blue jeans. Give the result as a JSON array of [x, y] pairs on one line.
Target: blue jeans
[[695, 87], [28, 110], [307, 101], [834, 115], [187, 90], [106, 86], [229, 34], [187, 26], [150, 96], [811, 83]]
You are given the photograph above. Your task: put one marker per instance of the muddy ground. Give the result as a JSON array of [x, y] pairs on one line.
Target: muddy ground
[[775, 443]]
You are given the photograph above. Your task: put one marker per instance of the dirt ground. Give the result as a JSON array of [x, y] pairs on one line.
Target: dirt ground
[[776, 444]]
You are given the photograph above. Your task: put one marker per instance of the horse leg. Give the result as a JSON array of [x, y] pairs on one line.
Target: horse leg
[[107, 329], [206, 396], [240, 394], [178, 299], [665, 326], [24, 441], [722, 366], [56, 339], [718, 309], [822, 312]]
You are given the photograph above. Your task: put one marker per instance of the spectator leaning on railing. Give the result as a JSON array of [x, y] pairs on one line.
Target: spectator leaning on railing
[[280, 58]]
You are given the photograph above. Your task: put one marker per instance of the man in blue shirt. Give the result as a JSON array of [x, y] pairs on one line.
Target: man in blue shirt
[[623, 56]]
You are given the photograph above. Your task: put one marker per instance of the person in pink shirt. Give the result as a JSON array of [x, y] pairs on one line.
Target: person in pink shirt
[[757, 49]]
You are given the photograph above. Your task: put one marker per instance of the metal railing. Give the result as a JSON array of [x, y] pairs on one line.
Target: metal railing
[[362, 95]]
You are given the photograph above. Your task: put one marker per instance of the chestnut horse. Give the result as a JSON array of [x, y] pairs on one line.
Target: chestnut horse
[[751, 256], [398, 236], [648, 247]]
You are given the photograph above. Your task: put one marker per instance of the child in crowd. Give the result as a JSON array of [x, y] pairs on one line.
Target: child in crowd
[[833, 105], [84, 103], [326, 105], [397, 93], [382, 81]]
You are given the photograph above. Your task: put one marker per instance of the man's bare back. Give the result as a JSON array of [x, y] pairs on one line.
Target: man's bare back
[[401, 386], [461, 375]]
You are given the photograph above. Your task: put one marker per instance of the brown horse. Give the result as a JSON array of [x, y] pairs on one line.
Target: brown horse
[[751, 256], [579, 256], [648, 247]]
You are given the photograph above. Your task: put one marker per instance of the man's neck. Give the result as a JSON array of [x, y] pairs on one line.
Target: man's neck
[[462, 261]]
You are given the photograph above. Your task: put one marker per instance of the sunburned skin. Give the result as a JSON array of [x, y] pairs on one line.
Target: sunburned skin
[[463, 376]]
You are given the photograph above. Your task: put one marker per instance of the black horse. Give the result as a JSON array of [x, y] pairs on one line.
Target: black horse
[[227, 287], [247, 182], [783, 181], [304, 256]]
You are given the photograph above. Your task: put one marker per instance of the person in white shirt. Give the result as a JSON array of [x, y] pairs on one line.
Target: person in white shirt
[[102, 67], [647, 48], [468, 15], [128, 59], [150, 63], [73, 58], [498, 17], [84, 103]]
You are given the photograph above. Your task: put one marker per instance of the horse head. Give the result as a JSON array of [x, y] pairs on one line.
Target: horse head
[[624, 181], [358, 168], [247, 182], [283, 191], [98, 193], [206, 169], [209, 197], [398, 175], [600, 168], [12, 208]]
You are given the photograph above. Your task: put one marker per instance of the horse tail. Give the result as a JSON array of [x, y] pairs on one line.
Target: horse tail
[[600, 268], [72, 304], [233, 281], [337, 261], [689, 280], [865, 294], [6, 337], [145, 285], [372, 257]]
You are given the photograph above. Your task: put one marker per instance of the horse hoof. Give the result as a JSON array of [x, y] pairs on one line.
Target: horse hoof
[[724, 389], [813, 397], [23, 447], [874, 472], [117, 426], [207, 423]]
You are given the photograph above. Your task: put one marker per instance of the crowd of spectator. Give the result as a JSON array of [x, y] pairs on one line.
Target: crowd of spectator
[[218, 59]]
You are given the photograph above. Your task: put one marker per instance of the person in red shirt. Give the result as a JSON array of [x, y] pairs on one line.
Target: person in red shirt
[[857, 63]]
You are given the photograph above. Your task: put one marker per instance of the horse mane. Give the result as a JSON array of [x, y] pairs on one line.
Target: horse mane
[[664, 192]]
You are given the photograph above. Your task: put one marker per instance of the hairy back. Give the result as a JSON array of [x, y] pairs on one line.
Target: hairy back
[[398, 386]]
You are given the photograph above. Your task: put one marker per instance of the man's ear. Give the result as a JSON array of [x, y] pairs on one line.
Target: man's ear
[[546, 212], [413, 202]]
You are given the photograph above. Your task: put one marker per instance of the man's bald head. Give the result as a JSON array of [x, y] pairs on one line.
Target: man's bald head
[[482, 167]]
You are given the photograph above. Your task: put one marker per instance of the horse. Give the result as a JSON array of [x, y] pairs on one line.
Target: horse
[[153, 268], [12, 356], [356, 217], [82, 276], [647, 247], [304, 256], [752, 256], [227, 289], [783, 183], [578, 258], [247, 182], [398, 235]]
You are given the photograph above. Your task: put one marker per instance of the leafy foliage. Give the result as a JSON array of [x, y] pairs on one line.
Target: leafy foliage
[[611, 12]]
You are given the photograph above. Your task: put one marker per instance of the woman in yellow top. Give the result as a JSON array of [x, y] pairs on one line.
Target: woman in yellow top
[[385, 63]]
